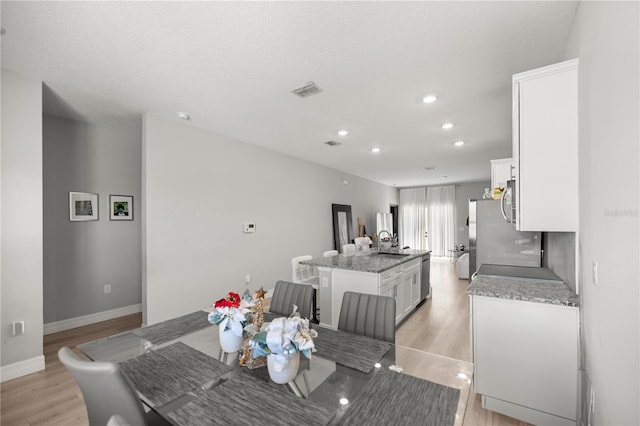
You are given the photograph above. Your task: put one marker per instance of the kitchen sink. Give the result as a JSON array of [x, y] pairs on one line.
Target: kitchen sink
[[390, 254]]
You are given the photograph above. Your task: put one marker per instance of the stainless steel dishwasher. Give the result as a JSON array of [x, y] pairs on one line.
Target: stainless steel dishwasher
[[425, 282]]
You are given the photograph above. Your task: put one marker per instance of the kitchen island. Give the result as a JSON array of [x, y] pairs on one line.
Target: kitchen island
[[525, 345], [393, 273]]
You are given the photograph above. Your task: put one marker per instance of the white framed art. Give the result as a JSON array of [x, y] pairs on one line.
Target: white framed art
[[83, 206]]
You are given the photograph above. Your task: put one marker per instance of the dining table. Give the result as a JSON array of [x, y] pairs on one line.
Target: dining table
[[180, 372]]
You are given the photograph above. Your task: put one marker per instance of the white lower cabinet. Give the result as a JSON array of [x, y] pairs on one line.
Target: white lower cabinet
[[394, 289], [526, 359], [403, 284], [412, 286]]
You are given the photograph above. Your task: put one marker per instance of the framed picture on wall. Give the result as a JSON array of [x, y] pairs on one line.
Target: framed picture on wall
[[121, 207], [83, 206]]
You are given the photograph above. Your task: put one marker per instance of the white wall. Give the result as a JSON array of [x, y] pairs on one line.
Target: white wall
[[464, 192], [21, 265], [605, 38], [81, 257], [198, 190]]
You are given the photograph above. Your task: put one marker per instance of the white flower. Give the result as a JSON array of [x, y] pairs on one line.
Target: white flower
[[304, 338], [283, 337], [231, 318]]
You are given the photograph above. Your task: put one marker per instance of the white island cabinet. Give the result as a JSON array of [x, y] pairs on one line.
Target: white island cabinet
[[526, 359], [398, 282], [397, 276], [402, 283]]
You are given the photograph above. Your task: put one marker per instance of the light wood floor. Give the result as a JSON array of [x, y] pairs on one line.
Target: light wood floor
[[50, 397], [441, 326]]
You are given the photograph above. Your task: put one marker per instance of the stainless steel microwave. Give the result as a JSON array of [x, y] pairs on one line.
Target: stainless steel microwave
[[508, 202]]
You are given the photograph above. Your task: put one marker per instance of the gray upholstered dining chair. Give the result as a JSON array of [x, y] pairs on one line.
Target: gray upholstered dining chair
[[287, 294], [368, 315], [107, 392]]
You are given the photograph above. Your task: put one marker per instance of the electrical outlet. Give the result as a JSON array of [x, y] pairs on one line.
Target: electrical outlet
[[17, 328], [594, 272], [107, 288], [247, 279]]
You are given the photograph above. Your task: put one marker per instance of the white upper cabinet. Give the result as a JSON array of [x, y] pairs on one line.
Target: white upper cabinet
[[545, 148], [501, 172]]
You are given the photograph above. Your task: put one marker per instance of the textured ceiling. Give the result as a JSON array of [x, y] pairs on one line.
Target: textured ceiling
[[232, 65]]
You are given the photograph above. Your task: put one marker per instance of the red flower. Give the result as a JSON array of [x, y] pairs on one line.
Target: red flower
[[234, 299], [223, 303], [231, 301]]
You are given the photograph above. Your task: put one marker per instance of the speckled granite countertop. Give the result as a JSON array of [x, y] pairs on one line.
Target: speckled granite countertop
[[367, 261], [555, 293]]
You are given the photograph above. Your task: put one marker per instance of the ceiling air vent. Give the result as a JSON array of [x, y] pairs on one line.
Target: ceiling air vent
[[333, 143], [307, 90]]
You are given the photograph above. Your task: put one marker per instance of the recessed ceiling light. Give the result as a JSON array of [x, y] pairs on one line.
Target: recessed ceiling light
[[429, 99], [458, 143], [376, 150], [344, 401], [447, 126], [333, 143], [184, 116], [343, 132]]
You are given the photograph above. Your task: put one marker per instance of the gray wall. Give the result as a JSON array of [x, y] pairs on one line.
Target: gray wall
[[560, 256], [21, 264], [605, 38], [464, 192], [81, 257], [200, 189]]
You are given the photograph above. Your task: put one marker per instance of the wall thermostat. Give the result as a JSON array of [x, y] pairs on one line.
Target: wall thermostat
[[249, 227]]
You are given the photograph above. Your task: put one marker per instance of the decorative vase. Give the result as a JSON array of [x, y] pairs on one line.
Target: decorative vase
[[283, 373], [229, 341]]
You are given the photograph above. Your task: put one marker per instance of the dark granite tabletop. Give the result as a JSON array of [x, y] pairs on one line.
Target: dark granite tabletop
[[552, 292], [371, 261]]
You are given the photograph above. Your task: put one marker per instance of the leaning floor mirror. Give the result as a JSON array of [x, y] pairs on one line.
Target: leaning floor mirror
[[342, 226]]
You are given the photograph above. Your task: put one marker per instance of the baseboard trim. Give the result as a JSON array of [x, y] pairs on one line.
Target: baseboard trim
[[21, 368], [55, 327]]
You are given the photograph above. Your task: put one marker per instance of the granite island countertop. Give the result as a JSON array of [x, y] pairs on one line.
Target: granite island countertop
[[555, 293], [371, 261]]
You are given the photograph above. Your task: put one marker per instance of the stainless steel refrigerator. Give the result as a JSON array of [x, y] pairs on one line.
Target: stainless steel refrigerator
[[494, 241]]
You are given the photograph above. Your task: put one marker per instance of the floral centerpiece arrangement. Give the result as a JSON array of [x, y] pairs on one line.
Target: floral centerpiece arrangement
[[231, 314], [281, 341]]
